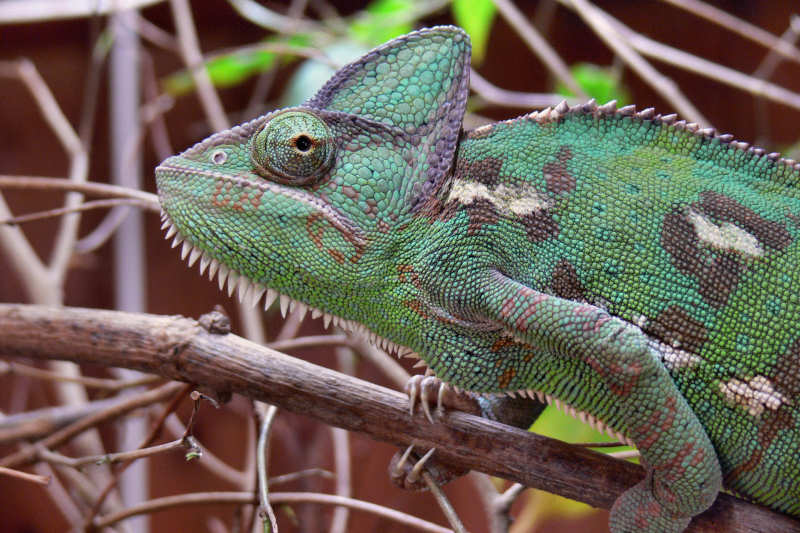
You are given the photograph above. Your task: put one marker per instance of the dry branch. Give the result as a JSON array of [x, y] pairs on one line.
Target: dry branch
[[179, 348]]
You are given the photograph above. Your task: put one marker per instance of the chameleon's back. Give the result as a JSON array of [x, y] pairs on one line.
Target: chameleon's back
[[688, 235]]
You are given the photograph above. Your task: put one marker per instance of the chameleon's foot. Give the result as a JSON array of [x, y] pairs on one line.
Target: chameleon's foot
[[425, 388], [408, 475]]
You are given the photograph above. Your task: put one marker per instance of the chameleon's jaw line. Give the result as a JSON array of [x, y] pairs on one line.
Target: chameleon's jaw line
[[251, 292], [338, 220]]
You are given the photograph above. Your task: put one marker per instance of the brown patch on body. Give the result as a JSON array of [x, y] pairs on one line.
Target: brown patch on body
[[480, 212], [486, 170], [673, 326], [565, 283], [556, 175], [717, 271], [539, 226]]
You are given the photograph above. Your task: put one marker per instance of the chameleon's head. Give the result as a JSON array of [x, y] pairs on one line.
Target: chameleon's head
[[295, 200]]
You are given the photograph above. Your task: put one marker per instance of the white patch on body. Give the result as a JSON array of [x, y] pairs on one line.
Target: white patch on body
[[511, 201], [755, 395], [725, 236], [673, 357]]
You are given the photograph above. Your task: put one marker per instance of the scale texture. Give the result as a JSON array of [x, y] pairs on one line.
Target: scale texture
[[637, 269]]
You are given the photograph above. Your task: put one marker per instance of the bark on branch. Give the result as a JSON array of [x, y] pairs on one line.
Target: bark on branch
[[179, 348]]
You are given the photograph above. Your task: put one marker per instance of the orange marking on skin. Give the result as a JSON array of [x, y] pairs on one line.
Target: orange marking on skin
[[506, 377], [522, 320], [655, 421], [314, 233], [337, 255], [215, 201], [501, 343], [416, 306]]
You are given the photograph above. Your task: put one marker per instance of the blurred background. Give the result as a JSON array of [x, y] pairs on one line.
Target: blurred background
[[87, 93]]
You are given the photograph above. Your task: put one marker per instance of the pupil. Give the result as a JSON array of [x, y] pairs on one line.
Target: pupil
[[303, 143]]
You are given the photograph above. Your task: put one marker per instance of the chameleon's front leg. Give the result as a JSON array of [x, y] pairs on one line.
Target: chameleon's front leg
[[683, 472]]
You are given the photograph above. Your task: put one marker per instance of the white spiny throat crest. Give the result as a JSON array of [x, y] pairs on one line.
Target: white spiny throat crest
[[252, 293]]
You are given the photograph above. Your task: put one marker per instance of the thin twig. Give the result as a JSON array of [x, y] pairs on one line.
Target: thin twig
[[63, 435], [85, 206], [268, 413], [193, 58], [33, 478], [112, 385], [502, 97], [44, 10], [176, 399], [206, 498], [739, 26], [89, 188], [444, 503], [708, 69], [111, 458], [539, 45], [600, 22], [310, 342]]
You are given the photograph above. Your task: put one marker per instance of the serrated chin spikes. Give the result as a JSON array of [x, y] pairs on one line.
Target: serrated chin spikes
[[205, 259], [185, 249], [269, 299], [284, 302], [256, 292], [326, 320], [165, 223], [176, 241], [171, 232], [315, 313], [419, 364], [233, 281], [302, 309], [243, 288], [223, 276], [194, 255], [213, 266]]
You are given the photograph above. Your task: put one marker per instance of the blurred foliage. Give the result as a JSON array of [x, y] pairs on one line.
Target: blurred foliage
[[231, 69], [476, 17], [383, 20], [601, 83]]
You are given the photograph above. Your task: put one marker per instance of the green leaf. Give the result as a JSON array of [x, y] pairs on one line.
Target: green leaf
[[232, 69], [382, 21], [476, 17], [600, 83]]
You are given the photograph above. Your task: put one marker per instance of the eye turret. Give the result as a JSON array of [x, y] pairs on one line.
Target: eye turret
[[294, 148]]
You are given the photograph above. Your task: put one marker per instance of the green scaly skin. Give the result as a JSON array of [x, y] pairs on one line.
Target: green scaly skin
[[626, 264]]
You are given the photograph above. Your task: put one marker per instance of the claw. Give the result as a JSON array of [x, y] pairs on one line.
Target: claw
[[415, 473]]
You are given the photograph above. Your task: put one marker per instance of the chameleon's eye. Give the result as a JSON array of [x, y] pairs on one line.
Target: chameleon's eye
[[295, 148]]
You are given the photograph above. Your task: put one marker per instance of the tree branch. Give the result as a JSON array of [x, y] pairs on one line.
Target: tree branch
[[179, 348]]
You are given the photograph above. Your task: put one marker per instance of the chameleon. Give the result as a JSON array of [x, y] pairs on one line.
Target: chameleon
[[638, 269]]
